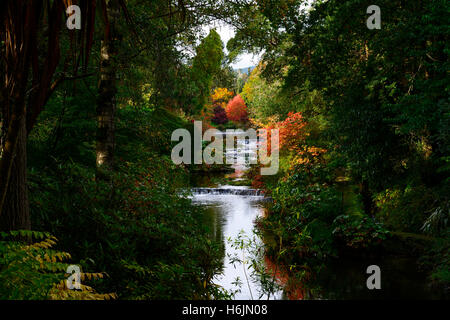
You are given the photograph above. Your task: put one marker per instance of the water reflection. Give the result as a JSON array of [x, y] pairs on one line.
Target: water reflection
[[229, 214]]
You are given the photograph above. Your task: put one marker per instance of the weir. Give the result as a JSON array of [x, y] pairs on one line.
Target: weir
[[228, 191]]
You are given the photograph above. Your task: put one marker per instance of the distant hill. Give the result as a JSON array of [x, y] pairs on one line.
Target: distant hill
[[245, 70]]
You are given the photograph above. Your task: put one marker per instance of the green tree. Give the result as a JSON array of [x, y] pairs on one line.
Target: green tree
[[206, 63]]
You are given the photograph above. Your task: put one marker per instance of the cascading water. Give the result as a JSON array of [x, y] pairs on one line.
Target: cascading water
[[236, 191]]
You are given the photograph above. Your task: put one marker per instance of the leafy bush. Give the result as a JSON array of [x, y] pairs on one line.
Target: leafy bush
[[149, 239], [292, 131], [221, 96], [405, 209], [220, 116], [35, 271], [357, 232], [303, 210], [132, 223]]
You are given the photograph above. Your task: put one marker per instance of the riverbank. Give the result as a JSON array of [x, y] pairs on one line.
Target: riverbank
[[317, 231]]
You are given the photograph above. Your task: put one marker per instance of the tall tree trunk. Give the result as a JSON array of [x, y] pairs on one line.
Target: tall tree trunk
[[21, 22], [14, 206], [106, 102], [16, 215], [16, 29]]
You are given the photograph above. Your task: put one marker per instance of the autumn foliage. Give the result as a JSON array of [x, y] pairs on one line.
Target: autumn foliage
[[222, 95], [293, 135], [219, 98], [220, 116], [237, 110], [292, 131]]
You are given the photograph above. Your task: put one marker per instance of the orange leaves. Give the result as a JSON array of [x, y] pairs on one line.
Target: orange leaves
[[308, 155], [293, 135], [292, 131], [237, 110]]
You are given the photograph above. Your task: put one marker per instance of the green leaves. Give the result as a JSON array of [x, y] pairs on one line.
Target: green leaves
[[358, 232], [206, 63]]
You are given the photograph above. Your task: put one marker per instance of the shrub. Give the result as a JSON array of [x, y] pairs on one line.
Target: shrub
[[357, 232], [292, 131], [222, 96], [131, 229], [132, 224], [405, 209], [220, 116]]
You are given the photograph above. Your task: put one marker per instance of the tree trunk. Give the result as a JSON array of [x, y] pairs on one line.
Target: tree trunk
[[16, 30], [106, 102], [21, 24], [15, 214], [367, 200]]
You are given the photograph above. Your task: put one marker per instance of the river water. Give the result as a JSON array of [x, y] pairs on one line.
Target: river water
[[233, 213]]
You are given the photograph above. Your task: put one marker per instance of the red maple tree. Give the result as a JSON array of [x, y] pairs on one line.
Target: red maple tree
[[292, 131], [237, 110]]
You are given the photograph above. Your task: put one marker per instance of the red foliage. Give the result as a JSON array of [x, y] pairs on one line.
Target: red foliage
[[293, 134], [237, 110], [258, 183], [220, 116], [292, 131]]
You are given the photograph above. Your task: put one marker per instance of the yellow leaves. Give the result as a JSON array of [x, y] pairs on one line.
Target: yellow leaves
[[387, 196], [50, 256], [91, 276], [60, 291], [222, 95], [269, 122], [424, 147], [86, 293], [45, 244], [63, 256], [308, 155]]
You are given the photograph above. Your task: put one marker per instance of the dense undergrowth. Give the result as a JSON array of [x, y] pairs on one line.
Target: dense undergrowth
[[132, 224]]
